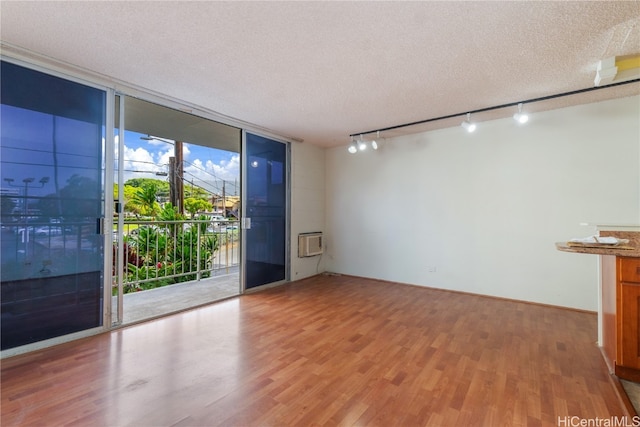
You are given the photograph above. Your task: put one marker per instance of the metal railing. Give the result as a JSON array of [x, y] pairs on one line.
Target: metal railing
[[159, 253]]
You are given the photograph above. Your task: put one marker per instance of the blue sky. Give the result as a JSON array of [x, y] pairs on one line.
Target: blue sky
[[203, 166], [27, 152]]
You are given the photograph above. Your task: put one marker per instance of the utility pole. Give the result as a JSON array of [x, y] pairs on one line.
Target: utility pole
[[173, 197], [179, 179], [176, 172], [224, 200]]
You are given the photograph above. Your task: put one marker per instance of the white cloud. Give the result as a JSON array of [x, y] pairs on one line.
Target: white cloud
[[228, 170], [163, 157], [142, 163], [186, 153], [210, 175], [137, 155]]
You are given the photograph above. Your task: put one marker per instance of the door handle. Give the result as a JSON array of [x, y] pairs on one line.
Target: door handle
[[100, 226]]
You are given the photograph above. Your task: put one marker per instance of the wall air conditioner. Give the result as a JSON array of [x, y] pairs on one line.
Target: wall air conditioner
[[309, 244]]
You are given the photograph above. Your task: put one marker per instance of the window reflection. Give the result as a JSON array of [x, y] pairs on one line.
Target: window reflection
[[51, 144]]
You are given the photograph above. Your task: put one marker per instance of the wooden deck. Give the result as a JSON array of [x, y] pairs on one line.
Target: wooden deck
[[324, 351]]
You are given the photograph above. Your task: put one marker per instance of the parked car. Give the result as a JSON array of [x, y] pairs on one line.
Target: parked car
[[217, 219], [48, 230]]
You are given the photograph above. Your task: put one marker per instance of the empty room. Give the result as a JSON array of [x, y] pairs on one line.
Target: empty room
[[320, 213]]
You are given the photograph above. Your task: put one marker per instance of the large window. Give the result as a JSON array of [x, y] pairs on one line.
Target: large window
[[51, 146]]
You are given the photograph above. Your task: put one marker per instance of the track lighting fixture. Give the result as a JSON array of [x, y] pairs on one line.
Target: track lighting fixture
[[467, 125], [361, 144], [521, 117]]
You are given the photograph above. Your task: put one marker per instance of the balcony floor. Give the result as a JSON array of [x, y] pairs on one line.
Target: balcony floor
[[144, 305]]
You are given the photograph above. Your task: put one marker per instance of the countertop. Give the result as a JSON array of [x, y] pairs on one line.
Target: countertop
[[632, 236], [562, 246]]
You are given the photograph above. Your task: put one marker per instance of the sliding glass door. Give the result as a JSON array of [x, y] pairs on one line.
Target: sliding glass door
[[266, 205], [52, 255], [65, 268], [176, 202]]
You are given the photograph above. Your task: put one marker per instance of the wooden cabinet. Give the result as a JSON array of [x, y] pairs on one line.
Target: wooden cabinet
[[627, 363]]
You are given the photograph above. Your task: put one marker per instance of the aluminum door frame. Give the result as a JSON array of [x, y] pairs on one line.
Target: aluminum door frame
[[243, 219]]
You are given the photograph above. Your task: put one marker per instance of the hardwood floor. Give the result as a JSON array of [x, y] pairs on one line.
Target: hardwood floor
[[324, 351]]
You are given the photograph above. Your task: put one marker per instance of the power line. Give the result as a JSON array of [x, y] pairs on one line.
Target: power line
[[216, 189], [35, 150], [203, 170]]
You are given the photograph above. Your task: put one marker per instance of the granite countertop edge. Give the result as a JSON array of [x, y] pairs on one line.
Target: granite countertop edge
[[562, 246]]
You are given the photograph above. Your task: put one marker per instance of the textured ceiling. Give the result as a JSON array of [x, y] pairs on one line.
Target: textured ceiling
[[320, 71]]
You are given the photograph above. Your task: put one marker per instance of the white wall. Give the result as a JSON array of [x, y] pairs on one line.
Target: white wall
[[485, 209], [307, 204]]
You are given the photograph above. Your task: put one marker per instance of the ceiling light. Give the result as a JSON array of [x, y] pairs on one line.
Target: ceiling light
[[353, 148], [521, 117], [374, 142], [467, 125], [361, 144]]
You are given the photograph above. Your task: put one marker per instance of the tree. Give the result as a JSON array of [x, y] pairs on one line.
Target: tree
[[196, 192], [169, 213], [162, 186], [146, 198], [129, 204], [81, 197], [193, 206], [7, 205]]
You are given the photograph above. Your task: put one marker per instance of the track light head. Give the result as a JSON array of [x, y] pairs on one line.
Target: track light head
[[374, 142], [521, 117], [361, 144], [467, 125], [353, 148]]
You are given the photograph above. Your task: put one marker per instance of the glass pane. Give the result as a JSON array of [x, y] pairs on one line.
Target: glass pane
[[51, 146], [179, 178], [266, 198]]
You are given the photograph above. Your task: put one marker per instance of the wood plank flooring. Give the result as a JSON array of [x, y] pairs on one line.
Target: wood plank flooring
[[324, 351]]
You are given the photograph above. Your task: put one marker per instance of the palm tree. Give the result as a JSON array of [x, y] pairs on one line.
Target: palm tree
[[146, 198]]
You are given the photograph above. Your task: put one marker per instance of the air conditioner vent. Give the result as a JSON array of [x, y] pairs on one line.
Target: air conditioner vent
[[309, 244]]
